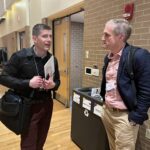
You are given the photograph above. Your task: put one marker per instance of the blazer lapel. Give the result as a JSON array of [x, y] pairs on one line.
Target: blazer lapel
[[123, 60]]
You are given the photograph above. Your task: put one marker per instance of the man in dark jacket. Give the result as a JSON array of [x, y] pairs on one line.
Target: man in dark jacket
[[25, 74], [124, 108]]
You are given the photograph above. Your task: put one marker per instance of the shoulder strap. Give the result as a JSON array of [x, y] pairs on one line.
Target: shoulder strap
[[130, 61], [130, 69]]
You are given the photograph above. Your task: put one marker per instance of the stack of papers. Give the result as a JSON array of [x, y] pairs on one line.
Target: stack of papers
[[49, 68]]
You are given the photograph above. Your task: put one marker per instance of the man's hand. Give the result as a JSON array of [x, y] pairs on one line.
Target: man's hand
[[36, 82], [48, 84]]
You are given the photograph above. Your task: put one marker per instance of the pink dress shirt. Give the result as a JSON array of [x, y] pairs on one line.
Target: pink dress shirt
[[112, 97]]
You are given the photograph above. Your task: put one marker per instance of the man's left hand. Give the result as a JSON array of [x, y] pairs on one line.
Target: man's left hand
[[48, 84]]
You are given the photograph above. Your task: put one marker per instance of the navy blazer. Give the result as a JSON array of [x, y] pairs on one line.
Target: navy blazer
[[137, 111]]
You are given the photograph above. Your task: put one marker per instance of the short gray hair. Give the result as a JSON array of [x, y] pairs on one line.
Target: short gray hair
[[121, 26], [38, 27]]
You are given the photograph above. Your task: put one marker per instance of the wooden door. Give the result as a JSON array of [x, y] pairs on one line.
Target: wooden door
[[62, 53]]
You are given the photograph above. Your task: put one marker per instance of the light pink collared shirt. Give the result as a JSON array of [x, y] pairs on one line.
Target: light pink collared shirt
[[112, 97]]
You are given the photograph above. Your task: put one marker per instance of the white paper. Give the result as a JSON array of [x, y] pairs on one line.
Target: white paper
[[76, 98], [86, 104], [110, 86], [95, 92], [98, 110], [49, 68]]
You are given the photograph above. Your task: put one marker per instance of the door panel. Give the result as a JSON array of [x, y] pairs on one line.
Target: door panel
[[62, 46]]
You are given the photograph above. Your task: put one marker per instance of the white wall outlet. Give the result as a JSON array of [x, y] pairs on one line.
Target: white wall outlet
[[95, 72], [147, 135]]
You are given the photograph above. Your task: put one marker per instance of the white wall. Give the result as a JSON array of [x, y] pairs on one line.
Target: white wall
[[35, 14], [17, 17], [35, 11], [67, 3], [50, 7], [2, 8], [30, 12]]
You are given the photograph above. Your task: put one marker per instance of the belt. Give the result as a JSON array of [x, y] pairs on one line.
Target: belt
[[115, 109]]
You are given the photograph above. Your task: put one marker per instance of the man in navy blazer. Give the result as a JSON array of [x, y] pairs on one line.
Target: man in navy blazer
[[124, 108]]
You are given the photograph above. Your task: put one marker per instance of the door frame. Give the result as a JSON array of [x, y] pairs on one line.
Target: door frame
[[62, 14], [67, 102]]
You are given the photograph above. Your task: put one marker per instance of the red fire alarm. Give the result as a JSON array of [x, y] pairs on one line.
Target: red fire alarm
[[128, 11]]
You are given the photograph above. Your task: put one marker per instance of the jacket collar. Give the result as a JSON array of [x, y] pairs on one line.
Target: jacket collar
[[30, 52], [123, 59]]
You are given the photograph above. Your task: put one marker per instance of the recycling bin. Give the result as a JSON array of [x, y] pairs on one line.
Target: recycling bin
[[87, 129]]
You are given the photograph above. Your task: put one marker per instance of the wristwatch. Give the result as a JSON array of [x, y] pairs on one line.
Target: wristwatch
[[132, 123]]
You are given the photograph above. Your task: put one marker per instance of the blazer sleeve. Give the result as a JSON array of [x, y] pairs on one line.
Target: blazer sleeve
[[142, 81]]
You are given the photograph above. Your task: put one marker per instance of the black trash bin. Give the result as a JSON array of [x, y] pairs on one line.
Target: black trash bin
[[87, 129]]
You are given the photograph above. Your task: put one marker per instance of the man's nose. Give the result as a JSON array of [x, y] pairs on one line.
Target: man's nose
[[49, 38]]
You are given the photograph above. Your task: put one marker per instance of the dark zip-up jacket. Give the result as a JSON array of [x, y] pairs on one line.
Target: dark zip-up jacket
[[21, 68], [137, 111]]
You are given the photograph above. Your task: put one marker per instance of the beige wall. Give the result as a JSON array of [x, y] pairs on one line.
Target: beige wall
[[1, 43], [50, 7], [30, 12], [16, 18]]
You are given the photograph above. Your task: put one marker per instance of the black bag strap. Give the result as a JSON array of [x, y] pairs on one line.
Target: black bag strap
[[130, 62], [130, 69]]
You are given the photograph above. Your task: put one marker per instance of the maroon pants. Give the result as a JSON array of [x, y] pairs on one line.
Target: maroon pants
[[36, 135]]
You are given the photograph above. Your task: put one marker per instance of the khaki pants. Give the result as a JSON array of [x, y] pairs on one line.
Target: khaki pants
[[121, 135]]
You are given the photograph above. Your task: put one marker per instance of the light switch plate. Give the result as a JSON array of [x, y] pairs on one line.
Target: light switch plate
[[95, 72]]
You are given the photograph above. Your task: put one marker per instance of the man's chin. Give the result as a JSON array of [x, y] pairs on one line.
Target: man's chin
[[47, 48], [104, 46]]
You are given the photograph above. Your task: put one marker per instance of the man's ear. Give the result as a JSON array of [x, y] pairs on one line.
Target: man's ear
[[34, 38], [122, 37]]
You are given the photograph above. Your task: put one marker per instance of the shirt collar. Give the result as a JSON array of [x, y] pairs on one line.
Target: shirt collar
[[34, 54], [111, 55]]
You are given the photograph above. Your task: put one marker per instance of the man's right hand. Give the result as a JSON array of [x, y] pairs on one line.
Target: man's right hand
[[36, 82]]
